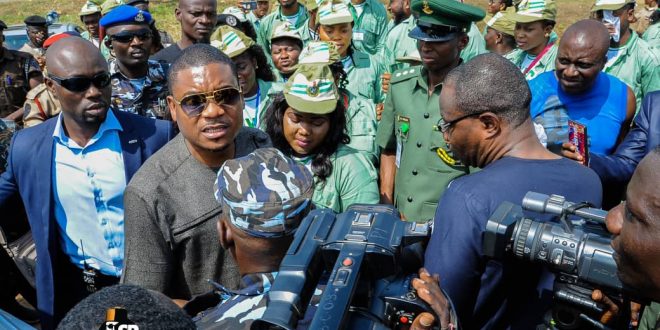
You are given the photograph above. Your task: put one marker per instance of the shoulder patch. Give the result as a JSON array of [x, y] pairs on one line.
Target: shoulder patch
[[404, 74]]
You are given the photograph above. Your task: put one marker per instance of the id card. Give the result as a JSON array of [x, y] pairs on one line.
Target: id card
[[358, 35], [577, 135]]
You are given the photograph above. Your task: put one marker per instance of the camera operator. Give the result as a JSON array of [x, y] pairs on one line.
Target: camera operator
[[264, 197], [493, 131]]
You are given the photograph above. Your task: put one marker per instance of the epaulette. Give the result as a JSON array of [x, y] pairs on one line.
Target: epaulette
[[34, 92], [404, 74]]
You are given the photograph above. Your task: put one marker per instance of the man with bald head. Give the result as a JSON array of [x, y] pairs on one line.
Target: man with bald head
[[71, 172], [578, 90]]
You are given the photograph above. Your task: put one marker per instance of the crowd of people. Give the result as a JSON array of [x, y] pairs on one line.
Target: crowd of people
[[168, 178]]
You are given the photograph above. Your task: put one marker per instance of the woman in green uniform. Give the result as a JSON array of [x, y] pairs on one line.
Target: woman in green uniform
[[254, 74], [535, 20], [307, 122], [363, 70], [361, 123], [285, 47]]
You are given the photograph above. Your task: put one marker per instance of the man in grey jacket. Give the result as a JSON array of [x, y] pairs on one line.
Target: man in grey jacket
[[171, 240]]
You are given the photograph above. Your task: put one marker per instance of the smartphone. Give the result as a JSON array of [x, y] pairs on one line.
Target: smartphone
[[577, 134], [250, 5]]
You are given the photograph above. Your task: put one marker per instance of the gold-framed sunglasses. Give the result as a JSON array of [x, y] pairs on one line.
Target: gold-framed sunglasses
[[194, 104]]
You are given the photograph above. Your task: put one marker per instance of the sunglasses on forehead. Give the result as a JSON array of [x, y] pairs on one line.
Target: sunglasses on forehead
[[128, 36], [194, 104], [81, 84]]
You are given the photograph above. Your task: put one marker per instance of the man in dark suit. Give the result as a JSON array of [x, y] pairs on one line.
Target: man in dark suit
[[71, 172]]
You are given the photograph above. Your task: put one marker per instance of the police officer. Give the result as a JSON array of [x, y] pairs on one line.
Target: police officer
[[264, 197], [19, 72], [139, 85], [37, 32], [415, 164]]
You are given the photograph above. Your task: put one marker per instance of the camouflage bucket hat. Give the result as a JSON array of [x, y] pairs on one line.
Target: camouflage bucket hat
[[331, 13], [319, 52], [503, 22], [264, 193], [231, 41], [312, 89], [535, 10], [89, 8], [109, 5]]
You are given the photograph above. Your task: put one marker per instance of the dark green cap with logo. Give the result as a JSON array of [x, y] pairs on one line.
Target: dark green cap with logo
[[442, 20]]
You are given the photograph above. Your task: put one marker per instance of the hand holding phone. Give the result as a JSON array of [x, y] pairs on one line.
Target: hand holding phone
[[577, 135]]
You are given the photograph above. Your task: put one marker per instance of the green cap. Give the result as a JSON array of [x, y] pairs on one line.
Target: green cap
[[231, 41], [89, 8], [535, 10], [449, 13], [312, 89], [109, 5], [333, 12], [503, 21], [319, 52], [285, 30], [610, 4]]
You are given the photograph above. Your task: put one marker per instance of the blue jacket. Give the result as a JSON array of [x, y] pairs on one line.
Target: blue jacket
[[29, 174], [618, 167]]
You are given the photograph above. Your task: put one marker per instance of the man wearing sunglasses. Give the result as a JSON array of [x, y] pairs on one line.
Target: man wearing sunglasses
[[197, 19], [139, 85], [171, 212], [71, 172], [493, 131]]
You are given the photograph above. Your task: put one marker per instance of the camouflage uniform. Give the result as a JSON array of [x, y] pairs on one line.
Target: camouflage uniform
[[39, 105], [264, 194], [15, 70], [7, 130], [148, 100]]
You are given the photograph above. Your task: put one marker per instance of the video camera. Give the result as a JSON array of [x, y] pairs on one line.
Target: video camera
[[370, 256], [579, 255]]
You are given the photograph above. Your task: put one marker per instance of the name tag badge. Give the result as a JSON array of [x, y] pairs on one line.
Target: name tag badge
[[358, 35]]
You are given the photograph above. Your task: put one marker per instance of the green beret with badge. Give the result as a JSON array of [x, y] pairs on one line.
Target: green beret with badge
[[231, 41], [312, 89], [443, 20]]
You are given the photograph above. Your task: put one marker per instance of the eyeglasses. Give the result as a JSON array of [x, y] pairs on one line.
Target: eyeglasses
[[81, 84], [128, 36], [194, 104], [444, 126]]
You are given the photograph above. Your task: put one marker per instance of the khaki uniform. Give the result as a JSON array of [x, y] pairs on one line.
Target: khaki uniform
[[33, 50], [409, 126], [39, 105], [15, 70]]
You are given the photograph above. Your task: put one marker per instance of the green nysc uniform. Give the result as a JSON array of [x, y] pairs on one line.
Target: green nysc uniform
[[269, 22], [364, 76], [398, 44], [361, 125], [266, 91], [637, 66], [546, 63], [409, 127], [353, 181], [476, 44], [652, 37], [370, 27]]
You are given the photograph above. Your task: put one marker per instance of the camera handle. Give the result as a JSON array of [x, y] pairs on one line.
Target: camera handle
[[332, 311]]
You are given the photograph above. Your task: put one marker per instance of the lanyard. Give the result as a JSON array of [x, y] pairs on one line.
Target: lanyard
[[358, 20], [252, 122], [538, 58]]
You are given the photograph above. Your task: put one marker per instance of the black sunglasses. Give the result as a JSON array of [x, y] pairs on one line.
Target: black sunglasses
[[128, 36], [194, 104], [81, 84]]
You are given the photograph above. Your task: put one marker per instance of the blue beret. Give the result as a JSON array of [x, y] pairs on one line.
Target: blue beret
[[125, 14]]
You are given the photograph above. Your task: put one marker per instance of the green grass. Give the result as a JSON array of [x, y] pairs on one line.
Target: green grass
[[15, 11]]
